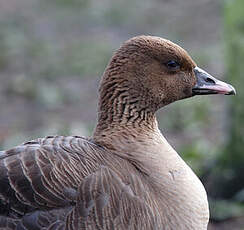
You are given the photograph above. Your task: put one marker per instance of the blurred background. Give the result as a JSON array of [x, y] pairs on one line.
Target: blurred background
[[53, 53]]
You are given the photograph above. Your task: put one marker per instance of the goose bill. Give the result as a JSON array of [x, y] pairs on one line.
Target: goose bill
[[207, 84]]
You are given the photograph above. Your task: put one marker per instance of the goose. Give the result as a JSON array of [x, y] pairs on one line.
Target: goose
[[126, 176]]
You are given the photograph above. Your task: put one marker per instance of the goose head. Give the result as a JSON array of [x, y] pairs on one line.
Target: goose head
[[147, 73]]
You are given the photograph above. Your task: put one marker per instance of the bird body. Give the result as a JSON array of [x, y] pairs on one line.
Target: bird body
[[52, 173], [126, 176]]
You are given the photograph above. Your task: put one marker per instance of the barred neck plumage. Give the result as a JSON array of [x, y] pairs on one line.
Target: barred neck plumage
[[119, 110], [120, 105]]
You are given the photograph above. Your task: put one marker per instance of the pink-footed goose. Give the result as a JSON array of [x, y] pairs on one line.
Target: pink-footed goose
[[126, 176]]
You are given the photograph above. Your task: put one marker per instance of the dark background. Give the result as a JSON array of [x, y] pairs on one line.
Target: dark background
[[53, 52]]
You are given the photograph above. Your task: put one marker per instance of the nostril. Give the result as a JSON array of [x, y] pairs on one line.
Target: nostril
[[209, 80]]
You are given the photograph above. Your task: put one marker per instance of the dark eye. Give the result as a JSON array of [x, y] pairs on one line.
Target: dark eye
[[173, 65]]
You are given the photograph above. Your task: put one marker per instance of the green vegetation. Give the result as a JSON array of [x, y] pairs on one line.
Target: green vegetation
[[227, 177]]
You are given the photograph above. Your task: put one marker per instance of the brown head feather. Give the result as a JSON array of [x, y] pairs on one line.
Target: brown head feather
[[137, 82]]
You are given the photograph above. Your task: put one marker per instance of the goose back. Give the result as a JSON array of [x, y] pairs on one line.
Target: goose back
[[70, 183]]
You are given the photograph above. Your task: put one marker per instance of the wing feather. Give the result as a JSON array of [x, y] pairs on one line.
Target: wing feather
[[105, 202], [69, 183]]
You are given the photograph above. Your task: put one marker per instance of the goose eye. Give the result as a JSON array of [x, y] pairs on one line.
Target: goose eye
[[173, 65]]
